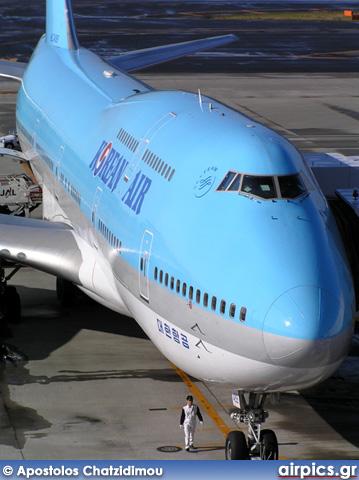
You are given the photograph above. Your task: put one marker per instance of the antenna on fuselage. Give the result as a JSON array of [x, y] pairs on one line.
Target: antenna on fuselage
[[200, 99]]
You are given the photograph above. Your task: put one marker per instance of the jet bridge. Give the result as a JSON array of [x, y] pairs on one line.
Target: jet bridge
[[338, 177], [334, 171]]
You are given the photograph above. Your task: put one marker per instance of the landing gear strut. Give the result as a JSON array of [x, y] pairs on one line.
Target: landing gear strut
[[260, 444], [10, 305]]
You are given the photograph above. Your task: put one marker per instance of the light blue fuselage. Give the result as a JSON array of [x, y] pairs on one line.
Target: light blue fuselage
[[233, 288]]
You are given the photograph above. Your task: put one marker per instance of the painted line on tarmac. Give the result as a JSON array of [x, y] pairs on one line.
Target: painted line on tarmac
[[211, 412], [217, 420]]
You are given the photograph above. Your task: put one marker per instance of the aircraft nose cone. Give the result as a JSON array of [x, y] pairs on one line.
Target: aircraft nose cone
[[297, 321]]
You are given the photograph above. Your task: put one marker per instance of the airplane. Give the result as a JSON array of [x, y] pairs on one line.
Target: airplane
[[206, 227]]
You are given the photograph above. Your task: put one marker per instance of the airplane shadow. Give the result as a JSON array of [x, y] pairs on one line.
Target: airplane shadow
[[340, 411], [45, 327], [336, 400]]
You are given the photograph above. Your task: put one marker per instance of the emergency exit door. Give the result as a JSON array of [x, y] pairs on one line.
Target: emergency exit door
[[144, 264], [96, 201]]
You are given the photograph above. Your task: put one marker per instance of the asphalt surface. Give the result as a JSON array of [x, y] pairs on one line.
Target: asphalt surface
[[93, 386]]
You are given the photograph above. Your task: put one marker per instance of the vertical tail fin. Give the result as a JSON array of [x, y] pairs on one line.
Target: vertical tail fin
[[60, 28]]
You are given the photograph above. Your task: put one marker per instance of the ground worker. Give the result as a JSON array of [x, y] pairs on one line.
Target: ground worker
[[188, 421]]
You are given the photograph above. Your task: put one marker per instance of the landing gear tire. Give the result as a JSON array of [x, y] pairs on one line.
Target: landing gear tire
[[11, 305], [268, 445], [236, 446]]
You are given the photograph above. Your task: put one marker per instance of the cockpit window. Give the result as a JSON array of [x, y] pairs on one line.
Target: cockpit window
[[226, 181], [234, 186], [266, 187], [262, 187], [291, 186]]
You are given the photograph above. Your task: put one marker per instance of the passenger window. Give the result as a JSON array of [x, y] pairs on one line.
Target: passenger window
[[198, 296], [222, 308], [242, 314], [257, 186], [161, 276], [232, 310], [178, 286], [191, 293], [172, 285], [226, 181], [214, 303], [291, 186], [156, 273], [166, 279], [205, 300], [184, 289]]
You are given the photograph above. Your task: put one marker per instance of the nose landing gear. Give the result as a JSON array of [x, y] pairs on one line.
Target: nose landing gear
[[260, 444]]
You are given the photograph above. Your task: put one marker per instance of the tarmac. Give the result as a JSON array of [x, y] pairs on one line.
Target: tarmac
[[93, 386]]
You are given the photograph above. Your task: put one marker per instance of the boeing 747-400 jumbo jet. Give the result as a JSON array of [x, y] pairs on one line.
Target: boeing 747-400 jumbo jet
[[167, 206]]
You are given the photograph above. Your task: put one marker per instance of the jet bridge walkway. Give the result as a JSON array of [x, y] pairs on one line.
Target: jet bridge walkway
[[338, 177], [348, 223]]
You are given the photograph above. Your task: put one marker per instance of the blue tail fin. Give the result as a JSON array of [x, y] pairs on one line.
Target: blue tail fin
[[60, 29]]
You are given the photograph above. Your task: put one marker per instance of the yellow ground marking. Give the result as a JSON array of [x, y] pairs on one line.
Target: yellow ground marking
[[211, 412], [217, 420]]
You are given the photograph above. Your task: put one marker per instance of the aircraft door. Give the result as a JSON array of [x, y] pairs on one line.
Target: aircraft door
[[95, 204], [59, 182], [58, 160], [144, 263], [34, 132]]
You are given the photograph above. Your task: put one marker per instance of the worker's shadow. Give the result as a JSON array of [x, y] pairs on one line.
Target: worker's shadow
[[210, 448]]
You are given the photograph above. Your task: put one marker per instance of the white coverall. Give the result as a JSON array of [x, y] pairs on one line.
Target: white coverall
[[188, 420]]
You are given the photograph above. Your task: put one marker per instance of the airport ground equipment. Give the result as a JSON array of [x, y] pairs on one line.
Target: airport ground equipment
[[19, 193], [10, 141]]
